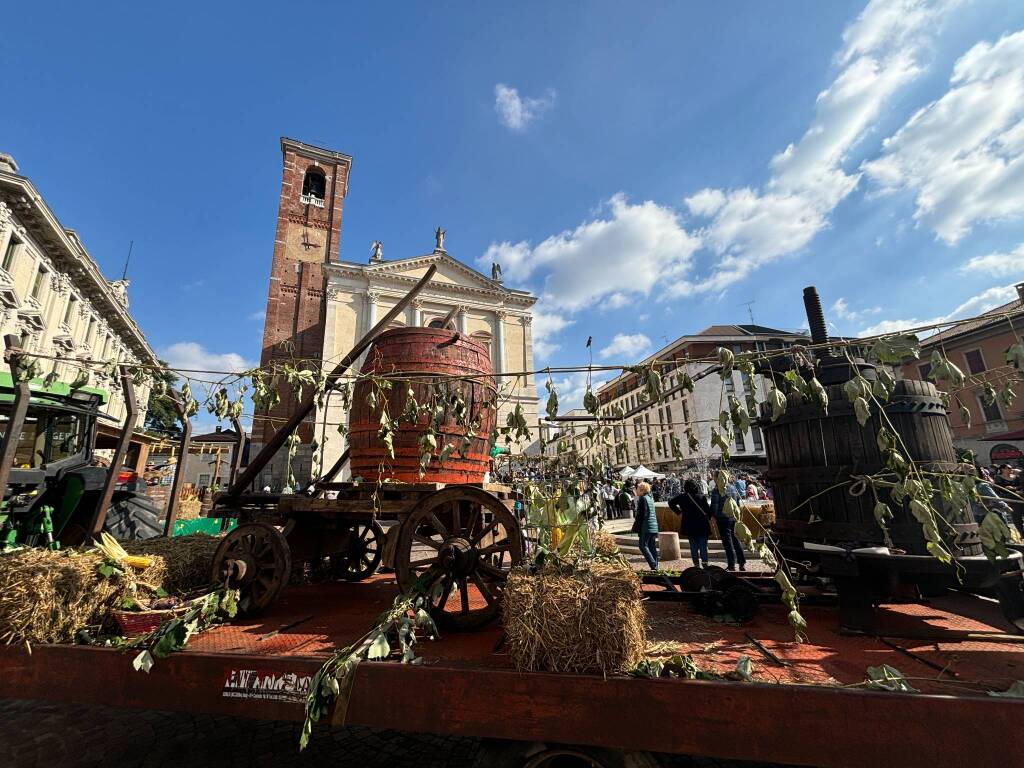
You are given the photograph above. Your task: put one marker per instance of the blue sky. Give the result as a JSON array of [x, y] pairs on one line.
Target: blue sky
[[627, 163]]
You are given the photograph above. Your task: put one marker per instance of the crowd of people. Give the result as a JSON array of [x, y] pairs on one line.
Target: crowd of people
[[1001, 490], [695, 499]]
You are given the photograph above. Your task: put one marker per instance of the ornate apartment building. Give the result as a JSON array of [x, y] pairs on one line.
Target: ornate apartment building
[[995, 432], [644, 436], [53, 295], [319, 306]]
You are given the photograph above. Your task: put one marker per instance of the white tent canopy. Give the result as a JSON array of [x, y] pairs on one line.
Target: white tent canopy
[[643, 473], [626, 471]]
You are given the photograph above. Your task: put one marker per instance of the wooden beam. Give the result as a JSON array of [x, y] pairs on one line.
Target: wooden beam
[[99, 515]]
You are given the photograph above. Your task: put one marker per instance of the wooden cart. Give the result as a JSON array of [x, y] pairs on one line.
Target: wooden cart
[[467, 534]]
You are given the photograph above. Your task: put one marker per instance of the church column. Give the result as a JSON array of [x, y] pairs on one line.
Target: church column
[[6, 228], [371, 309], [460, 318], [415, 313], [527, 342], [499, 337]]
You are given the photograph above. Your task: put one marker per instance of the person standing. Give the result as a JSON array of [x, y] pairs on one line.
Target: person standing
[[727, 530], [625, 502], [646, 524], [608, 496], [1008, 487], [692, 506]]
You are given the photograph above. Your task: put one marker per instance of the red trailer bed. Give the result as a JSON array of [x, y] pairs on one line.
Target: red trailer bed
[[795, 714]]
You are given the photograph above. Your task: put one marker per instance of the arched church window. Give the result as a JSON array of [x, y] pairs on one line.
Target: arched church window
[[314, 187], [483, 339], [437, 322]]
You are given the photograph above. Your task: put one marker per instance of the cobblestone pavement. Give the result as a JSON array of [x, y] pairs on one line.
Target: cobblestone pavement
[[47, 735]]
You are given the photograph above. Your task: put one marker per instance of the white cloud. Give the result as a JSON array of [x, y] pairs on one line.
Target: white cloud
[[707, 202], [629, 346], [843, 311], [975, 305], [890, 23], [516, 112], [628, 251], [188, 355], [261, 315], [999, 264], [749, 228], [962, 156], [546, 325]]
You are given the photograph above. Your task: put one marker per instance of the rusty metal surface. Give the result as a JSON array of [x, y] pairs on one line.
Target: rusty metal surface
[[754, 722], [467, 688]]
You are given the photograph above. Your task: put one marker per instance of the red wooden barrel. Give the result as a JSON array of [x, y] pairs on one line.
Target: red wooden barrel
[[421, 352]]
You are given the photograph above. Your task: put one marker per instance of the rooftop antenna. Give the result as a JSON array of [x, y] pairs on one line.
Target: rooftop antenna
[[750, 309], [124, 275]]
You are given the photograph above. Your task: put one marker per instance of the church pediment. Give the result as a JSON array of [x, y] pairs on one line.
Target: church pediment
[[449, 270]]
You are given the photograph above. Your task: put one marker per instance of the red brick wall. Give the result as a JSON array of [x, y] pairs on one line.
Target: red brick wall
[[307, 237]]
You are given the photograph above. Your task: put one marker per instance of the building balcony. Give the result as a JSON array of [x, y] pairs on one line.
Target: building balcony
[[996, 427], [313, 200]]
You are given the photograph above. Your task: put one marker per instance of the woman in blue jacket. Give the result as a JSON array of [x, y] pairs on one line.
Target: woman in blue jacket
[[646, 524]]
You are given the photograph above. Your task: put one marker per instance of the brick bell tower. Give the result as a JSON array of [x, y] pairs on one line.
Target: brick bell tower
[[314, 183]]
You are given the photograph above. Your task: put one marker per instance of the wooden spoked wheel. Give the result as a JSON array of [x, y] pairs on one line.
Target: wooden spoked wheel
[[365, 548], [254, 558], [466, 541]]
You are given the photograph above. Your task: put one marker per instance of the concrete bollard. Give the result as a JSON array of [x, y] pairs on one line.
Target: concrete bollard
[[668, 546]]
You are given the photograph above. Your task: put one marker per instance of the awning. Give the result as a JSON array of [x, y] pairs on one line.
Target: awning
[[627, 471], [1018, 435], [643, 473]]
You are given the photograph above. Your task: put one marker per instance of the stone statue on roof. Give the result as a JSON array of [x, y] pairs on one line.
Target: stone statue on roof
[[376, 251], [496, 272], [439, 239]]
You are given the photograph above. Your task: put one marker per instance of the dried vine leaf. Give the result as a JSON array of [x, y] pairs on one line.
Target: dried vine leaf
[[818, 394], [965, 416], [897, 348], [778, 402], [1007, 395], [692, 441], [1015, 356], [943, 370], [862, 411], [994, 535], [884, 384], [552, 405], [886, 678], [726, 359]]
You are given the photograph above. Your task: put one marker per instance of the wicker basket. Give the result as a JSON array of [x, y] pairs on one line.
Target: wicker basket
[[135, 623]]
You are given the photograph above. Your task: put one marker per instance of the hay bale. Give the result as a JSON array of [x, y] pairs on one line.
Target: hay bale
[[46, 597], [189, 509], [588, 619], [186, 559], [604, 543]]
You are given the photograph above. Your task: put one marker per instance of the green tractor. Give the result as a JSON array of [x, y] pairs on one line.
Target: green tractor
[[55, 484]]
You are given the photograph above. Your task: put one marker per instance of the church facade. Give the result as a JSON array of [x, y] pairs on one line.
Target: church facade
[[319, 305]]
